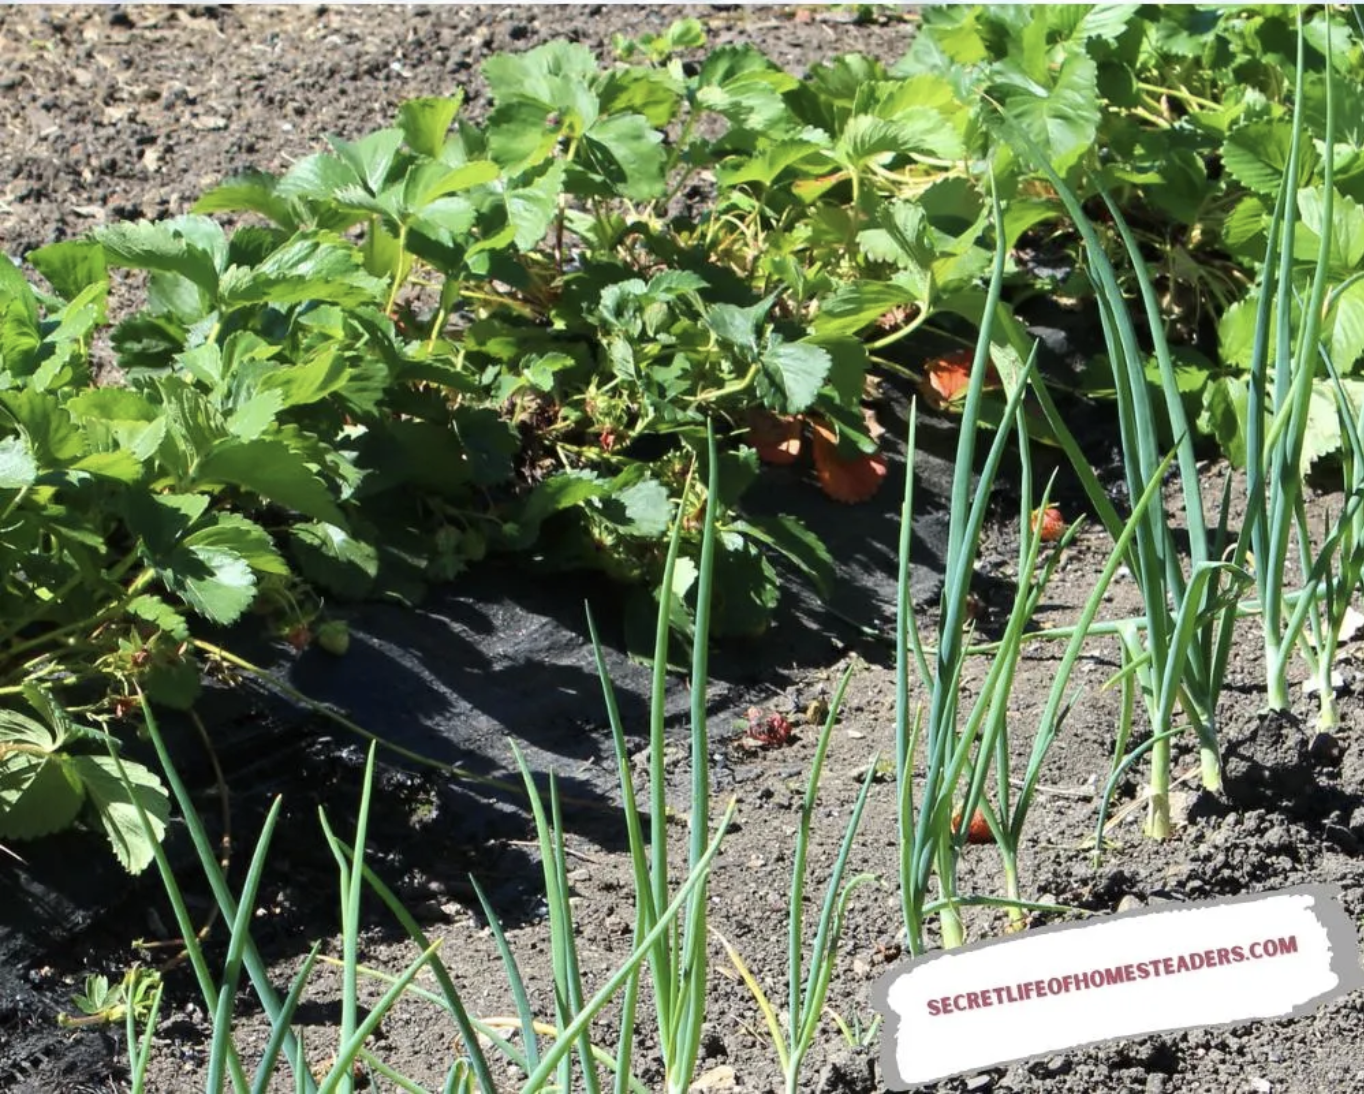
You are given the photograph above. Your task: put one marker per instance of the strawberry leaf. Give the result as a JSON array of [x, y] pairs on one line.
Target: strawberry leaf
[[114, 796], [38, 795]]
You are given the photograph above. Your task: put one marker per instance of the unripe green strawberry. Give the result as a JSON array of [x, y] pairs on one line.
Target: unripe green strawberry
[[334, 637]]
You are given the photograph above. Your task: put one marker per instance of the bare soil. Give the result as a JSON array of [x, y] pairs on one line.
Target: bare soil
[[114, 113]]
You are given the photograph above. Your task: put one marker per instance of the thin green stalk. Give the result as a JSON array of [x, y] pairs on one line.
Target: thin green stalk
[[265, 1070], [239, 932], [140, 1048], [1186, 616], [690, 988], [255, 966], [453, 1003], [351, 873], [111, 611], [1292, 393], [930, 838], [808, 988], [534, 1084]]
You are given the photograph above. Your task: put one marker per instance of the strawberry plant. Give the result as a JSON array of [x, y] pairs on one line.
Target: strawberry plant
[[453, 338], [52, 776], [1184, 115]]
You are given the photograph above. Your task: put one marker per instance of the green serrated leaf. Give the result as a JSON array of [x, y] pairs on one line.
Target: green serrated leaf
[[1256, 155], [852, 307], [121, 466], [234, 532], [371, 157], [642, 509], [255, 416], [334, 559], [183, 246], [629, 153], [791, 375], [309, 268], [17, 465], [848, 369], [739, 326], [917, 131], [531, 208], [1236, 332], [553, 495], [902, 238], [768, 164], [1106, 21], [651, 93], [425, 122], [1346, 228], [745, 590], [71, 266], [53, 438], [112, 404], [1322, 435], [545, 74], [152, 609], [1243, 230], [429, 182], [319, 177], [1346, 327], [1062, 118], [522, 134], [252, 192], [115, 795], [20, 729], [796, 543], [274, 471], [323, 374], [38, 795], [489, 444], [218, 584]]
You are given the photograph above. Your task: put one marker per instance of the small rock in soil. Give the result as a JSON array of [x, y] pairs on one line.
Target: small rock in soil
[[717, 1078], [1326, 750], [1260, 1085], [847, 1072]]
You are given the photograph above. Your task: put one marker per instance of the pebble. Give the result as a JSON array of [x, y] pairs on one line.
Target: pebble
[[1260, 1085], [717, 1078], [983, 1081], [1326, 750]]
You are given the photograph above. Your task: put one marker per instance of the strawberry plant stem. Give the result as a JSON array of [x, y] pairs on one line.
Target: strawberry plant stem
[[113, 611], [399, 263]]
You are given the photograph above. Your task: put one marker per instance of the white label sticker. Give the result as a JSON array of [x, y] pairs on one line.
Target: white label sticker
[[1153, 970]]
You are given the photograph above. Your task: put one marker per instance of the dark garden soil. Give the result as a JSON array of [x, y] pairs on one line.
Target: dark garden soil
[[115, 113]]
